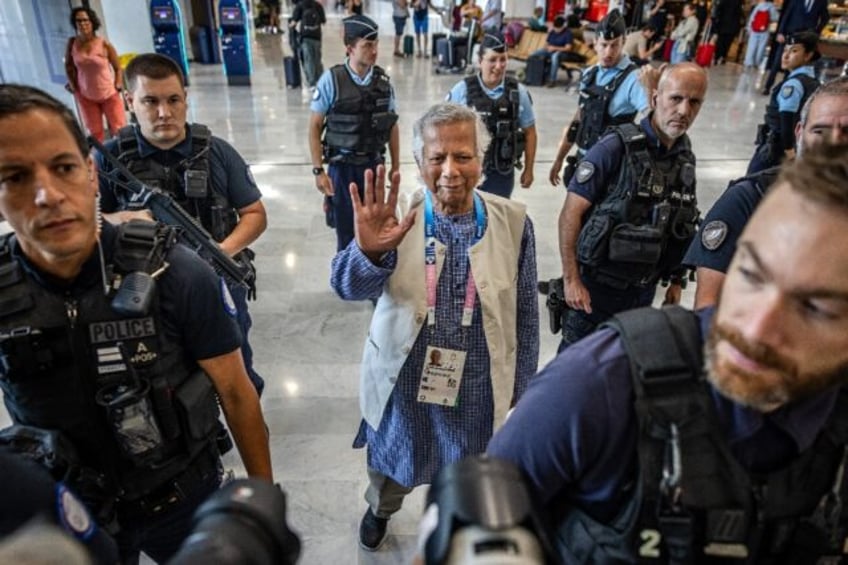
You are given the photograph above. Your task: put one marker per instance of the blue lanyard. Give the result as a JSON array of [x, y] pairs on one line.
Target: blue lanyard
[[430, 258]]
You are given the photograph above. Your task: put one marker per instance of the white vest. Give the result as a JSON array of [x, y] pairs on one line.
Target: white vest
[[402, 308]]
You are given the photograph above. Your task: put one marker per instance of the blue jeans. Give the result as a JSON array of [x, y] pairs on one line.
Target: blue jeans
[[756, 51], [239, 294], [310, 50], [678, 57]]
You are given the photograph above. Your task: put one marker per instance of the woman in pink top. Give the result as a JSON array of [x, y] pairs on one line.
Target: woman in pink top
[[94, 75]]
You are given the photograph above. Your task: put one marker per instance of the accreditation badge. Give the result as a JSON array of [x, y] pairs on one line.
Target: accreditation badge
[[441, 376]]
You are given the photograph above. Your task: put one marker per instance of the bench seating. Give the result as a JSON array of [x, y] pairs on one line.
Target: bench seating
[[534, 40]]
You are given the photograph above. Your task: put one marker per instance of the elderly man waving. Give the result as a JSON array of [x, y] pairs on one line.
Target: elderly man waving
[[456, 275]]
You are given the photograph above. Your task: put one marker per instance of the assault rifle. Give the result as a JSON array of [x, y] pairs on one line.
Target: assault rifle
[[166, 210]]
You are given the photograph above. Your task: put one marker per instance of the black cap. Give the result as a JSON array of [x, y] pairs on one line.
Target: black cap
[[611, 26], [809, 39], [493, 40], [559, 21], [360, 27]]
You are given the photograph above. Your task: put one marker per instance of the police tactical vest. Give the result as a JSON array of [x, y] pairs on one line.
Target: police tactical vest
[[501, 119], [358, 124], [772, 116], [188, 182], [641, 229], [699, 505], [594, 107], [69, 362]]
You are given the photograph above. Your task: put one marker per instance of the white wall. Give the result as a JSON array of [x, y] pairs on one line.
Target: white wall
[[127, 25], [521, 8], [33, 38]]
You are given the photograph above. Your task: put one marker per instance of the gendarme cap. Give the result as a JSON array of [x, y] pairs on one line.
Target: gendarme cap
[[611, 26], [360, 27]]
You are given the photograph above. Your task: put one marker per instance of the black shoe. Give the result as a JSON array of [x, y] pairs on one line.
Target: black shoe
[[372, 531]]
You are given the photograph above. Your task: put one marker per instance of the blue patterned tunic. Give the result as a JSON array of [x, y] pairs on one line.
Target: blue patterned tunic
[[416, 439]]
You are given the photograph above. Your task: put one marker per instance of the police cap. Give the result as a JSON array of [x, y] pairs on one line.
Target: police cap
[[494, 41], [611, 26], [809, 39], [360, 27]]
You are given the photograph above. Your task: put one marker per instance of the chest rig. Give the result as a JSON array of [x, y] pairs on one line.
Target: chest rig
[[594, 107], [188, 181], [501, 119], [359, 123], [643, 226], [699, 505], [133, 404]]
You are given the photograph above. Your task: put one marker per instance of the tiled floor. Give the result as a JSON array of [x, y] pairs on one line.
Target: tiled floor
[[307, 342]]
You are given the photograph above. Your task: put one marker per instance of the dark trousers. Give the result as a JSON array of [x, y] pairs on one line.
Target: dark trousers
[[342, 174], [766, 156], [606, 302], [498, 183], [239, 294], [723, 42], [160, 536]]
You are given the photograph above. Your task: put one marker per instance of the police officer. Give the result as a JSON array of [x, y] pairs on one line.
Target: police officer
[[354, 107], [630, 210], [610, 94], [133, 390], [823, 118], [715, 437], [507, 109], [776, 136], [205, 174]]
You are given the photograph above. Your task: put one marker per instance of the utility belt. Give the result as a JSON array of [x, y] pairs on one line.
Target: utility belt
[[601, 277], [202, 472], [245, 258], [355, 158]]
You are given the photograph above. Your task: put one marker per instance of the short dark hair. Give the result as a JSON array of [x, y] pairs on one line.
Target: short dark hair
[[92, 15], [820, 175], [151, 65], [18, 98]]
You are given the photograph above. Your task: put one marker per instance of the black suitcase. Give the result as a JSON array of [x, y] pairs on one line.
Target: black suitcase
[[292, 69], [408, 45], [444, 53], [450, 53], [535, 72]]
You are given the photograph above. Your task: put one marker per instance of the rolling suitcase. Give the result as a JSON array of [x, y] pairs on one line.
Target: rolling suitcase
[[706, 50], [292, 70], [408, 45], [434, 38], [535, 71]]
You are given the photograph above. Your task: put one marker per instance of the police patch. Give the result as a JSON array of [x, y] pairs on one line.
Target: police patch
[[227, 298], [584, 172], [316, 94], [787, 91], [713, 234], [72, 513]]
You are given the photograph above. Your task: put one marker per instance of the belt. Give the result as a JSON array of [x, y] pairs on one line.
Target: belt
[[203, 471], [356, 158]]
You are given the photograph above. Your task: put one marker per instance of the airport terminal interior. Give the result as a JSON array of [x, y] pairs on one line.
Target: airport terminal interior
[[307, 342]]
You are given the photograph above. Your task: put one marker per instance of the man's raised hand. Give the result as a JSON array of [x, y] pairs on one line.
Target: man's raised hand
[[377, 228]]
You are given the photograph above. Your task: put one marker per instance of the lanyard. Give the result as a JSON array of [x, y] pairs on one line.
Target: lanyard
[[430, 259]]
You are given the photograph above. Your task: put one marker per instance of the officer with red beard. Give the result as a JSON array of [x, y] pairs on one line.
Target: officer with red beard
[[672, 436]]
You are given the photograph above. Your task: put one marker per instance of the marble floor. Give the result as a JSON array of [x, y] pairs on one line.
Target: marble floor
[[307, 342]]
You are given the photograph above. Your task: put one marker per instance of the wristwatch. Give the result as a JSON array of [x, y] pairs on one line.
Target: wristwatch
[[317, 171]]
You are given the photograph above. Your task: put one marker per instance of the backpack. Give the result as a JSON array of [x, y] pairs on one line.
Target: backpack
[[761, 21]]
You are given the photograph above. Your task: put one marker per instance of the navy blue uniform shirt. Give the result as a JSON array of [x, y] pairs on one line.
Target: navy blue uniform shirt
[[715, 243], [574, 431], [193, 305], [606, 157], [229, 175]]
